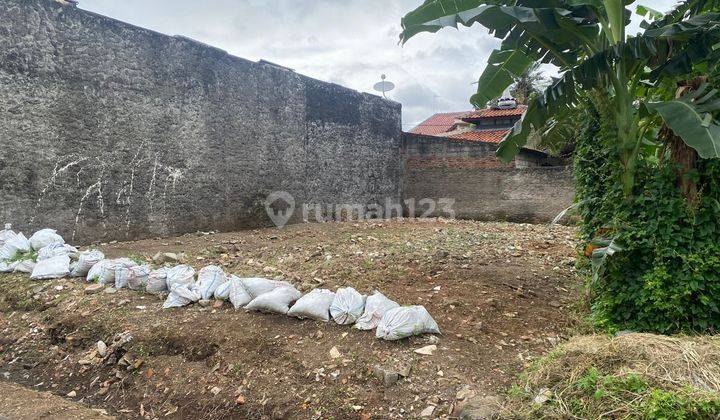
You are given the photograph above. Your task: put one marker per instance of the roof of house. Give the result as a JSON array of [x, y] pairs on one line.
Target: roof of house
[[494, 113], [445, 122], [487, 136], [438, 123]]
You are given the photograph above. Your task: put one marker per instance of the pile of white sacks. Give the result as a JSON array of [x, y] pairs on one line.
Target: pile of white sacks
[[46, 256]]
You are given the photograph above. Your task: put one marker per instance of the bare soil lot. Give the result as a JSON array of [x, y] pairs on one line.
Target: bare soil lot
[[501, 293]]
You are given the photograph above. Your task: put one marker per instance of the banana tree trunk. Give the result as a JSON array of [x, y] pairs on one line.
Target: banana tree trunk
[[682, 156]]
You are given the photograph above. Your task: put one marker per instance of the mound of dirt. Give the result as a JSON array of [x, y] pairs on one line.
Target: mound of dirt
[[629, 376], [20, 403]]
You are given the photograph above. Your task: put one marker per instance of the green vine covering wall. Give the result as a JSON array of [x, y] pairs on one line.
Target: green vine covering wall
[[666, 275]]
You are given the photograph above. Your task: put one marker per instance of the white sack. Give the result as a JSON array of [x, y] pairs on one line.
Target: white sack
[[278, 301], [104, 271], [347, 306], [209, 279], [182, 295], [375, 307], [314, 305], [18, 244], [86, 261], [238, 296], [406, 321], [52, 268], [157, 281], [107, 271], [6, 234], [181, 274], [45, 237], [25, 266], [257, 286], [223, 291], [6, 267], [134, 278], [95, 271], [56, 250]]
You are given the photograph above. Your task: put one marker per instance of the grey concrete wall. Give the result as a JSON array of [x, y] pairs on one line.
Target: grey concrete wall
[[534, 195], [433, 151], [110, 131], [483, 187]]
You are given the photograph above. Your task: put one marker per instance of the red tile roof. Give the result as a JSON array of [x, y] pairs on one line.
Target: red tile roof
[[488, 136], [493, 113], [439, 123]]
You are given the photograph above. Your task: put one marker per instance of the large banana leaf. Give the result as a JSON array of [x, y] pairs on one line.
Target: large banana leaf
[[690, 118], [548, 28], [589, 74], [502, 68], [568, 34]]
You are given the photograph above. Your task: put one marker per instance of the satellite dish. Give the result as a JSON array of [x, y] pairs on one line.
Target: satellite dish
[[384, 86]]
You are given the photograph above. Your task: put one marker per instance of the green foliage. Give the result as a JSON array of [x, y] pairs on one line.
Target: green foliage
[[22, 256], [587, 41], [662, 404], [598, 386], [599, 392], [690, 117], [595, 392], [665, 278]]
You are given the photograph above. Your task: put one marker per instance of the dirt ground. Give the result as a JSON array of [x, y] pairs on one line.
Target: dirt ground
[[17, 402], [502, 294]]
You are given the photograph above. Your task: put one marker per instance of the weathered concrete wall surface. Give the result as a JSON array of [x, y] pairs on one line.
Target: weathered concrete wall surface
[[110, 131], [422, 151], [534, 195], [483, 187]]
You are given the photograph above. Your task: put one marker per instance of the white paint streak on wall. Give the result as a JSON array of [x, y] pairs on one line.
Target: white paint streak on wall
[[51, 181]]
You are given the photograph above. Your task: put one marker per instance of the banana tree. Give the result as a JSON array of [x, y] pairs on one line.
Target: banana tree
[[587, 41]]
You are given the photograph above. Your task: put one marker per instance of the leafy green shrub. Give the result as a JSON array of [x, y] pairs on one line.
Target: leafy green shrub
[[666, 277]]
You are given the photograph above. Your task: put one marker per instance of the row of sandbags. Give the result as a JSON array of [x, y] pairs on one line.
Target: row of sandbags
[[346, 306]]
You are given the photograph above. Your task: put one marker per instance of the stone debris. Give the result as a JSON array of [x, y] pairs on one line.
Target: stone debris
[[428, 411], [479, 408], [94, 288], [388, 377], [167, 258], [427, 350], [335, 353], [543, 396], [101, 348]]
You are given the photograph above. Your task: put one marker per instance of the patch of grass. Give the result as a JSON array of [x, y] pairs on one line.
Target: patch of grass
[[22, 256], [137, 259], [235, 369], [16, 294], [662, 404], [632, 376]]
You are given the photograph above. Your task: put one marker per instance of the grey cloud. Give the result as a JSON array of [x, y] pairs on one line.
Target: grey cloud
[[349, 42]]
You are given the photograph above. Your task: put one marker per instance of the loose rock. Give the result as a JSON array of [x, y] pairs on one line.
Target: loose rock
[[93, 289], [335, 353], [481, 408], [427, 350], [101, 348], [388, 377], [428, 411]]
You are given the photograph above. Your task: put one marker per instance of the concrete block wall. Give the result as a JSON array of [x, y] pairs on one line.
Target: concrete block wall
[[482, 187], [110, 131]]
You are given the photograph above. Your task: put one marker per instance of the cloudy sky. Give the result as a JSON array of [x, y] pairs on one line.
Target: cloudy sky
[[349, 42]]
